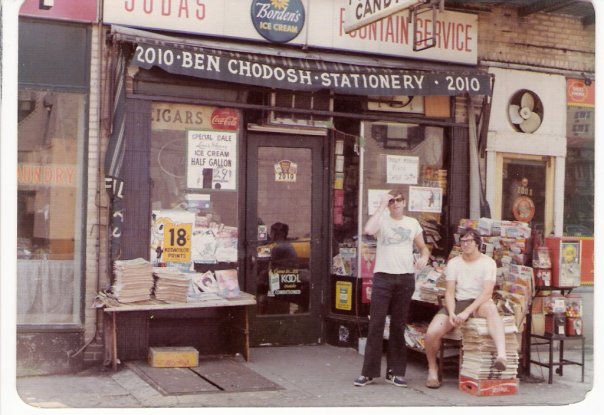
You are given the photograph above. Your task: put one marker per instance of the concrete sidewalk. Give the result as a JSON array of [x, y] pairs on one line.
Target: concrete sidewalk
[[311, 376]]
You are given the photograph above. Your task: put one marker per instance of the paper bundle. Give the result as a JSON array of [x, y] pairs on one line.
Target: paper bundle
[[479, 351], [171, 285], [133, 280]]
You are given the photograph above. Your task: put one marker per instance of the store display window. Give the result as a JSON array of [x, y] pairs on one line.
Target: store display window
[[408, 157], [194, 187], [51, 182]]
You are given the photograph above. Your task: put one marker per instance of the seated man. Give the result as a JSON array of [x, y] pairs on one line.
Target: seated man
[[470, 282]]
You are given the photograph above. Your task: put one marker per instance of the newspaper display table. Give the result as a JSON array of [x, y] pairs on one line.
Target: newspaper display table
[[235, 311]]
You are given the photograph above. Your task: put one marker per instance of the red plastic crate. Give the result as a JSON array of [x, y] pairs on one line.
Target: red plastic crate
[[488, 387]]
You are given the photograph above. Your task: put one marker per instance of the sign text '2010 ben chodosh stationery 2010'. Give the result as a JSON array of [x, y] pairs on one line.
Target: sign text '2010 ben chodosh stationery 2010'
[[307, 75]]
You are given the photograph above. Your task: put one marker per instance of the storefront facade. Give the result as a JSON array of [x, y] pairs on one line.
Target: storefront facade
[[281, 145], [541, 120], [254, 139], [54, 105]]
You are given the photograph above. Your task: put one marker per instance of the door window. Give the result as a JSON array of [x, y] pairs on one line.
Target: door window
[[284, 228], [524, 191]]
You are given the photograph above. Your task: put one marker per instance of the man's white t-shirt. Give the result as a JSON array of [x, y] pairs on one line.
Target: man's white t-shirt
[[470, 276], [394, 253]]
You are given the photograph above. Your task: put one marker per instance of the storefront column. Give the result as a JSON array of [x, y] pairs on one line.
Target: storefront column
[[559, 177], [491, 191]]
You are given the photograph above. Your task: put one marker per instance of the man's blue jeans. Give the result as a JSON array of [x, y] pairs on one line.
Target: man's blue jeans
[[390, 294]]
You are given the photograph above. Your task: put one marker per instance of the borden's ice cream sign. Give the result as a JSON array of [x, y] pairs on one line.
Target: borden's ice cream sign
[[278, 20]]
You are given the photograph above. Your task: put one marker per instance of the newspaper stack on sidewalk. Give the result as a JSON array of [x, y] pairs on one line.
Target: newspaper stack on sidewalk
[[133, 280], [171, 285], [479, 351]]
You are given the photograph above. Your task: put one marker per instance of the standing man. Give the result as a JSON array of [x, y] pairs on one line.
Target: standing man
[[393, 286], [470, 282]]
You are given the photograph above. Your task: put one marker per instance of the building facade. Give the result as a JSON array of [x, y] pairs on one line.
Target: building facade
[[258, 136]]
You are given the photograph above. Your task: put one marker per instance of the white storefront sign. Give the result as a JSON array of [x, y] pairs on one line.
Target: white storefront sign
[[456, 34], [363, 12]]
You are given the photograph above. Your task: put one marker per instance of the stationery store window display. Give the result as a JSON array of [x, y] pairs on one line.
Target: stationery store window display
[[393, 286], [470, 280]]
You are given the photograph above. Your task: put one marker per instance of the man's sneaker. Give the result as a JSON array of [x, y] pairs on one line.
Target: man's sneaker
[[396, 380], [362, 381]]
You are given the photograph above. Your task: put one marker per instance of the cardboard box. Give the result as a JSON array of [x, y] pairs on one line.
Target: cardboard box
[[488, 387], [173, 357]]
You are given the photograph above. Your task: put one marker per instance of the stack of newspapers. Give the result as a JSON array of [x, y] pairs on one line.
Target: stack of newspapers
[[479, 351], [171, 285], [133, 280]]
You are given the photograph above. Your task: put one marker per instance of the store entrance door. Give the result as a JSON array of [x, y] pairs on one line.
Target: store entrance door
[[284, 242]]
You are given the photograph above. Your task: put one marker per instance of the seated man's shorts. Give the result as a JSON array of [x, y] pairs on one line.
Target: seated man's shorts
[[459, 307]]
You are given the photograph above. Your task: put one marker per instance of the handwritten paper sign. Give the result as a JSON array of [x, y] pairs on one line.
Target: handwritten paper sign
[[211, 160], [402, 169]]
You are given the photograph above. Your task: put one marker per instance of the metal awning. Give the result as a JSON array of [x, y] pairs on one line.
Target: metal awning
[[299, 70]]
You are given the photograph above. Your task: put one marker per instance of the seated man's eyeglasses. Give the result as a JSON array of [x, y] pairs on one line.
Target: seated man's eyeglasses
[[466, 241]]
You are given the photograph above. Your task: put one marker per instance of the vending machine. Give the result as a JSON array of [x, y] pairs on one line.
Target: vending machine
[[566, 261]]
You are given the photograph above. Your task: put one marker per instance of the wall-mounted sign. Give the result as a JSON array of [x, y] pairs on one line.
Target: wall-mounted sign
[[211, 160], [166, 116], [456, 33], [278, 20], [579, 93], [305, 75], [77, 11], [581, 112], [286, 171], [360, 13], [225, 119], [52, 175]]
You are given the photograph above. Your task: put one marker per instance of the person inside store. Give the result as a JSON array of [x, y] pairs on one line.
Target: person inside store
[[470, 280], [283, 254], [393, 286]]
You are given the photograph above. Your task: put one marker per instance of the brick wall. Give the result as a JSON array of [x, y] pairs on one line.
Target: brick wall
[[543, 40], [96, 202]]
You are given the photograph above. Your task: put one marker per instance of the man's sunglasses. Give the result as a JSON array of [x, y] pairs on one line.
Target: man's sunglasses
[[396, 199]]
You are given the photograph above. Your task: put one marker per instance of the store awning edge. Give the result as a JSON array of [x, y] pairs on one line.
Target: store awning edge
[[272, 67]]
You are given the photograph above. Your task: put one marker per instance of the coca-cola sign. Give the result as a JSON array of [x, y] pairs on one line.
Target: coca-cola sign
[[225, 119]]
